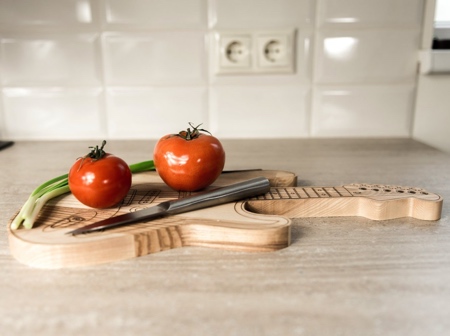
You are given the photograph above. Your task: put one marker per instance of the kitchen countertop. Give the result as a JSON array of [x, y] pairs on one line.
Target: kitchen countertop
[[340, 276]]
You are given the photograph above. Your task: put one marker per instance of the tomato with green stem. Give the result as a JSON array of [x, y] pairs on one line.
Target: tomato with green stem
[[100, 179], [53, 188], [190, 160]]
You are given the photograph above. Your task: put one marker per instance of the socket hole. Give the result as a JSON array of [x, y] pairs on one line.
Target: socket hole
[[273, 51], [235, 52]]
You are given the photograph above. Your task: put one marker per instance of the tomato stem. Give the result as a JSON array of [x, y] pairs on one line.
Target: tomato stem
[[190, 135], [95, 153]]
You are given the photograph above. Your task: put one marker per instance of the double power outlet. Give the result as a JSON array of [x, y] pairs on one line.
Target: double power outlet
[[254, 52]]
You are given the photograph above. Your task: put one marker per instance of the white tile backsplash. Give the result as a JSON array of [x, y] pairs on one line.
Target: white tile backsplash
[[143, 68], [260, 14], [46, 114], [154, 112], [167, 14], [269, 111], [154, 58], [45, 13], [50, 59], [378, 13], [366, 56], [362, 111]]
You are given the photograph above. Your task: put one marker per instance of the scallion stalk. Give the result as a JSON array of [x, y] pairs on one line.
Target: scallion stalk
[[53, 188]]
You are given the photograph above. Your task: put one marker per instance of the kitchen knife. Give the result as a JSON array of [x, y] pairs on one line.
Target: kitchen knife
[[234, 192]]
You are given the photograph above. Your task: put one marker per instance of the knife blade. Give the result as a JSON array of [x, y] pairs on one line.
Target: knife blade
[[234, 192]]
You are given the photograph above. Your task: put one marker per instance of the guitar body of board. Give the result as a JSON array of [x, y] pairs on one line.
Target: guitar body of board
[[260, 224]]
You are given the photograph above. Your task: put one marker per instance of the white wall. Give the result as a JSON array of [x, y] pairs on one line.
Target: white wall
[[432, 111], [138, 69], [432, 119]]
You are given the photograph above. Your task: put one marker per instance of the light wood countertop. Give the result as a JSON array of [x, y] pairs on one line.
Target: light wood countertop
[[340, 276]]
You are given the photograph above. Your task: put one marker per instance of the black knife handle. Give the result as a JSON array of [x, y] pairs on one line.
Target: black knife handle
[[234, 192]]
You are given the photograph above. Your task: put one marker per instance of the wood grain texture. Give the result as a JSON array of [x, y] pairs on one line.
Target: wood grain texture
[[229, 226], [376, 202], [261, 224]]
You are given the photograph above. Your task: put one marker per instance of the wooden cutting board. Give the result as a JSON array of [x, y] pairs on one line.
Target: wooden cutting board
[[255, 225]]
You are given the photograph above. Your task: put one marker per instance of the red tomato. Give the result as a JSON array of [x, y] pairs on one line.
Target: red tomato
[[100, 182], [189, 160]]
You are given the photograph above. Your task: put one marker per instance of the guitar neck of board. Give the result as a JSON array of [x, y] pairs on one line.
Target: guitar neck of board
[[374, 191]]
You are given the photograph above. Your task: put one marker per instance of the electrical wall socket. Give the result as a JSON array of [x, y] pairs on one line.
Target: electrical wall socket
[[274, 51], [235, 52], [254, 52]]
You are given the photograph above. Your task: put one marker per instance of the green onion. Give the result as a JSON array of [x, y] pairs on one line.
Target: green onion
[[142, 166], [55, 187]]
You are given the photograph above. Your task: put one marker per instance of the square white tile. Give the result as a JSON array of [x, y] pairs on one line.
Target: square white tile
[[167, 14], [366, 56], [52, 13], [362, 111], [259, 111], [432, 115], [43, 114], [261, 14], [50, 59], [150, 113], [378, 13], [155, 58]]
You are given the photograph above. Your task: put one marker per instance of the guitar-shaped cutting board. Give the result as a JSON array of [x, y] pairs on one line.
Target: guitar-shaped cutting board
[[258, 224]]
